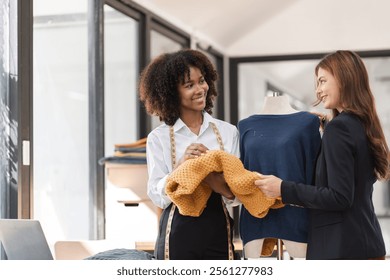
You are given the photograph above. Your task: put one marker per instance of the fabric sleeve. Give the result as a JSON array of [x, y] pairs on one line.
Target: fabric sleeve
[[158, 172], [338, 190], [312, 150]]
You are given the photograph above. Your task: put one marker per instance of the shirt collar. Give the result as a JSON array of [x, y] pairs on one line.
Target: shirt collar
[[207, 119]]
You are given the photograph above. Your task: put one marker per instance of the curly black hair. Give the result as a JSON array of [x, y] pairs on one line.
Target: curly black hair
[[158, 83]]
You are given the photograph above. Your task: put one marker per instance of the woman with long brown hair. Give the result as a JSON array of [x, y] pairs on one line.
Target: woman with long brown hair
[[354, 154]]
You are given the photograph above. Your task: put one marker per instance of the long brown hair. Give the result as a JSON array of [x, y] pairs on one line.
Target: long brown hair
[[356, 98]]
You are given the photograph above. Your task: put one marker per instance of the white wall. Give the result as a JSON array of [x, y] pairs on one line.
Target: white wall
[[310, 26]]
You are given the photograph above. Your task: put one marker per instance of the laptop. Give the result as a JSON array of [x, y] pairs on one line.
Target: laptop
[[24, 240]]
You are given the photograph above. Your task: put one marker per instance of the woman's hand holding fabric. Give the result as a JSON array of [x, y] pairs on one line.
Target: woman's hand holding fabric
[[270, 185], [193, 151]]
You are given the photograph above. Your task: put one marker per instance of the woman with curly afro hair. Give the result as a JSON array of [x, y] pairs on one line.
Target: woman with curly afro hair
[[179, 88]]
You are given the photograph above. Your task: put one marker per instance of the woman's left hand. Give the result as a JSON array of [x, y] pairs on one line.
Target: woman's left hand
[[192, 151], [270, 185]]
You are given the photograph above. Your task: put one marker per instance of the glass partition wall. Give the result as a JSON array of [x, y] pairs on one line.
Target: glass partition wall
[[60, 114], [257, 80], [61, 185], [7, 126]]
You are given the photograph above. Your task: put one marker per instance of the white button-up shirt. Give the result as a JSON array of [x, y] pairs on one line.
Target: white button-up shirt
[[158, 151]]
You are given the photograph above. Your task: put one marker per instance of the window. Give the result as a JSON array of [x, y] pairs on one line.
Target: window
[[161, 44], [60, 108]]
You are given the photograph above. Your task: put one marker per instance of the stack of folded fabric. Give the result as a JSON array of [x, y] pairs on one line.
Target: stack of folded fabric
[[131, 153], [127, 168]]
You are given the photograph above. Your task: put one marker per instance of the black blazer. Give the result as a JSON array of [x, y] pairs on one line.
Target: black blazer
[[343, 224]]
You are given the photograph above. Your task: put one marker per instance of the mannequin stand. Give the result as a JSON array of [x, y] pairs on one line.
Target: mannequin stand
[[279, 250]]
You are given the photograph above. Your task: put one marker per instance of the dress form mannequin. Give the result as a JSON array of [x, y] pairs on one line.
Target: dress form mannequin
[[276, 105]]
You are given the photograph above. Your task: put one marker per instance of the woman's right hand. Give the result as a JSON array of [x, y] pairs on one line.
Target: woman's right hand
[[270, 185], [193, 151]]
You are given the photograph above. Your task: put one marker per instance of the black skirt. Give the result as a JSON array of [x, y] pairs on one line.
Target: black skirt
[[207, 237]]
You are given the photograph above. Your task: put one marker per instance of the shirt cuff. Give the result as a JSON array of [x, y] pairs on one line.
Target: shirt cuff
[[164, 199]]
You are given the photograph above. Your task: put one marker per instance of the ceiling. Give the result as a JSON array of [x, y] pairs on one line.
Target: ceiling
[[271, 27]]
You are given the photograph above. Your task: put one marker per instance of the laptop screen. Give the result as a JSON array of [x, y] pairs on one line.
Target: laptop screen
[[24, 240]]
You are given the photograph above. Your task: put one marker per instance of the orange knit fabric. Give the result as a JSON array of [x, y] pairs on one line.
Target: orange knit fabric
[[185, 189]]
